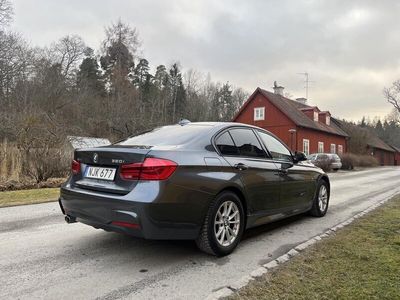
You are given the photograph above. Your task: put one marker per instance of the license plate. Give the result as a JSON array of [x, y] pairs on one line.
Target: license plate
[[100, 173]]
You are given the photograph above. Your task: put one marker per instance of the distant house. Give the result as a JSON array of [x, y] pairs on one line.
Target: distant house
[[384, 153], [302, 127]]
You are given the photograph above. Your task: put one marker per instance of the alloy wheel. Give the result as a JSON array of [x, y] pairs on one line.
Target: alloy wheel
[[227, 223], [322, 198]]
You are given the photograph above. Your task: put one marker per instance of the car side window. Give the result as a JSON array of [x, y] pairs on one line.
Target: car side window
[[323, 157], [226, 145], [275, 147], [247, 142]]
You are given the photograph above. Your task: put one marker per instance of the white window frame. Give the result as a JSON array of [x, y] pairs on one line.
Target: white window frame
[[259, 113], [328, 120], [340, 149], [316, 116], [320, 147], [306, 147], [333, 148]]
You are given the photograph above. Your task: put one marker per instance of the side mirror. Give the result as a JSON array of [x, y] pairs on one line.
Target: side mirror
[[299, 156]]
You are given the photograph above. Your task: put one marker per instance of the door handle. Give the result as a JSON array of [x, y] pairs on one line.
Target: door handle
[[241, 166]]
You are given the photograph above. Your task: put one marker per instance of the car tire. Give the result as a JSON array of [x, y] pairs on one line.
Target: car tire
[[208, 240], [321, 200]]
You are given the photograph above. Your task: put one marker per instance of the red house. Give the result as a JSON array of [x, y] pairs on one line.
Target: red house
[[302, 127]]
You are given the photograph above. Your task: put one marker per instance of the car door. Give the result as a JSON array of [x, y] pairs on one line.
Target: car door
[[296, 184], [257, 171]]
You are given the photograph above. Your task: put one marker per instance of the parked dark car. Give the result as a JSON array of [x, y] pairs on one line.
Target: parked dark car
[[326, 161], [206, 182]]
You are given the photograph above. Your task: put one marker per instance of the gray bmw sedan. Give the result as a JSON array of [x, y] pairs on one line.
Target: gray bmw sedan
[[206, 182]]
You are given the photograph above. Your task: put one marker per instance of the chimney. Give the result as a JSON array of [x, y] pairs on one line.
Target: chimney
[[278, 89], [302, 100]]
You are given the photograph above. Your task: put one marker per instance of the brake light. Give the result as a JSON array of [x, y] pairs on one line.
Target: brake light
[[75, 167], [151, 169], [131, 171]]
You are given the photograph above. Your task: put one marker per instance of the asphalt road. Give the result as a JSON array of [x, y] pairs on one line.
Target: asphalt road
[[43, 257]]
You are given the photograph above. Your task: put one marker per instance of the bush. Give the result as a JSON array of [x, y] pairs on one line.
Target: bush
[[324, 165], [351, 160], [44, 163], [368, 161]]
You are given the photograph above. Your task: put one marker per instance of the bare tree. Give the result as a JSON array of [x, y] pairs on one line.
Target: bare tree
[[392, 94], [6, 12], [15, 56], [394, 116], [69, 52]]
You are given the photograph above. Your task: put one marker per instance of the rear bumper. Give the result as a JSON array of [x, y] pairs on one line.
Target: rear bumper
[[151, 216], [337, 165]]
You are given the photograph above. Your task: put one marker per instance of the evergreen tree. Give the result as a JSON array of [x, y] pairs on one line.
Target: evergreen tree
[[119, 48], [227, 105], [177, 93], [89, 76], [363, 122], [379, 129], [161, 77], [141, 73]]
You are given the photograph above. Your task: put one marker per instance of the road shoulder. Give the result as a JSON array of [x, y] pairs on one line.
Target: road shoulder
[[359, 261]]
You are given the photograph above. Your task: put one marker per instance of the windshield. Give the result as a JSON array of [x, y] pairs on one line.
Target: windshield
[[166, 135]]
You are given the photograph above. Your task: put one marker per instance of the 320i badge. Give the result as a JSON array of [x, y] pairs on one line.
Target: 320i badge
[[202, 181]]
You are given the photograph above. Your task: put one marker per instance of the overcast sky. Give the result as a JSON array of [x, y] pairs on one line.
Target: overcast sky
[[351, 49]]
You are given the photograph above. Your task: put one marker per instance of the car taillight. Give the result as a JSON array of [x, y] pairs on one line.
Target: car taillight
[[75, 167], [130, 171], [150, 169]]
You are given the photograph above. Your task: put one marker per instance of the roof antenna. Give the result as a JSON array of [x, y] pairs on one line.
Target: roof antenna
[[306, 82], [183, 122]]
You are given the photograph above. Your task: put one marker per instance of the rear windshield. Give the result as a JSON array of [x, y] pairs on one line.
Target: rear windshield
[[166, 135]]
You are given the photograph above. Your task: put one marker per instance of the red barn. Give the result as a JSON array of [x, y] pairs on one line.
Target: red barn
[[396, 155], [380, 150], [302, 127], [374, 146]]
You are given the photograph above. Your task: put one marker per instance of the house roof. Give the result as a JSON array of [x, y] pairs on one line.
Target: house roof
[[375, 142], [292, 109], [372, 139], [397, 149]]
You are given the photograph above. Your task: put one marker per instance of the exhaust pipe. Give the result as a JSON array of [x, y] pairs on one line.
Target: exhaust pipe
[[70, 219]]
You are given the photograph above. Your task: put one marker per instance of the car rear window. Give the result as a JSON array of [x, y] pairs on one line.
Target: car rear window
[[166, 135]]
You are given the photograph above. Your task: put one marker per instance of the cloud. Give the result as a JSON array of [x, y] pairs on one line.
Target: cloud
[[350, 48]]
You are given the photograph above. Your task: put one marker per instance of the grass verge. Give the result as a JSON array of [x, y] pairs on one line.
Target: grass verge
[[362, 261], [33, 196]]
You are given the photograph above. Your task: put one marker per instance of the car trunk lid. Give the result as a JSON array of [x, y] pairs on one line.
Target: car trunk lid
[[107, 160]]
